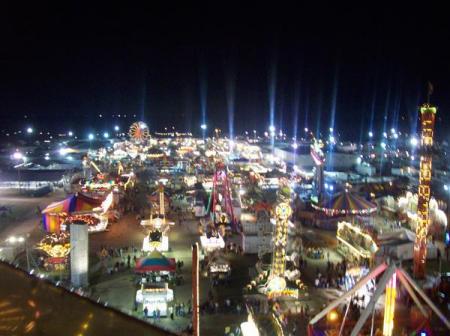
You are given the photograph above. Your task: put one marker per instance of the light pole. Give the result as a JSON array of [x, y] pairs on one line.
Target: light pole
[[204, 127], [13, 240], [18, 156]]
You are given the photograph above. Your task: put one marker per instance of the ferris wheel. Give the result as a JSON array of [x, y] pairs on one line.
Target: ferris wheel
[[139, 131]]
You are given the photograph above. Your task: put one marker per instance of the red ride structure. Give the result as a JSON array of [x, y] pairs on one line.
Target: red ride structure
[[220, 204]]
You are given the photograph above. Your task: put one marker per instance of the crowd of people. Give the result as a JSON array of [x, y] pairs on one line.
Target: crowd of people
[[335, 276], [227, 306], [315, 253]]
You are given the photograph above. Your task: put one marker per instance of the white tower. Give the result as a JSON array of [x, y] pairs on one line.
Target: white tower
[[79, 261]]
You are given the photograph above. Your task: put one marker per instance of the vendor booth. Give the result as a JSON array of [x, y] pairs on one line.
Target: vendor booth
[[155, 299]]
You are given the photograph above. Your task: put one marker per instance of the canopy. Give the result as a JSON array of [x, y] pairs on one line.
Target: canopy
[[79, 202], [50, 217], [155, 262], [346, 203]]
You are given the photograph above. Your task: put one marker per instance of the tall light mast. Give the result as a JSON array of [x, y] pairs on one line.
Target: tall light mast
[[427, 117]]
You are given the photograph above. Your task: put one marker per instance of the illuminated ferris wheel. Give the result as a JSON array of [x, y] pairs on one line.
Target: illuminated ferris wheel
[[139, 131]]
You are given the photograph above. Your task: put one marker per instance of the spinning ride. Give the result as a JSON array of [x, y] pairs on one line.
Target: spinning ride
[[57, 247]]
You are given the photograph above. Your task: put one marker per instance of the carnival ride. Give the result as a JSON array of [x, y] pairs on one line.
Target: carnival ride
[[387, 284], [428, 115], [345, 204], [139, 131], [56, 246], [273, 282], [353, 238], [94, 212], [88, 163], [220, 205], [157, 238]]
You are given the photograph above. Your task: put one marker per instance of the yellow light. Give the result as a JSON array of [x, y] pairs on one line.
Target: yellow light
[[389, 306], [332, 316]]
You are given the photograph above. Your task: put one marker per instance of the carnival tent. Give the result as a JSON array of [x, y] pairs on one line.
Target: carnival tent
[[345, 203], [155, 262], [51, 215]]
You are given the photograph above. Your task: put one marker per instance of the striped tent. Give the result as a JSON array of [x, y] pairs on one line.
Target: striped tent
[[346, 203], [51, 215], [155, 262]]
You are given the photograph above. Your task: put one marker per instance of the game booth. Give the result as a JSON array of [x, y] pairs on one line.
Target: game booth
[[218, 267], [155, 298]]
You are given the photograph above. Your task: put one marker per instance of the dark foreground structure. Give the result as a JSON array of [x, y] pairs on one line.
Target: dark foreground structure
[[31, 306]]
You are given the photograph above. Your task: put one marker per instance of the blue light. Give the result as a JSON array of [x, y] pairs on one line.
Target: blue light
[[91, 136], [203, 126], [106, 135], [447, 238], [116, 128]]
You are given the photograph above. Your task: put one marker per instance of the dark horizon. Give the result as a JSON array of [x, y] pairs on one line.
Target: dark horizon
[[369, 67]]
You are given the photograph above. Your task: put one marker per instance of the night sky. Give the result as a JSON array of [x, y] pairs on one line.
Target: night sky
[[61, 67]]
